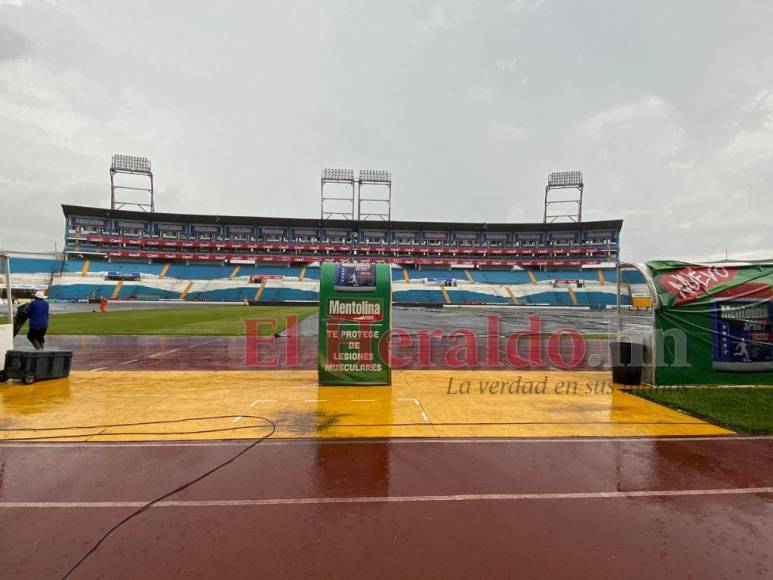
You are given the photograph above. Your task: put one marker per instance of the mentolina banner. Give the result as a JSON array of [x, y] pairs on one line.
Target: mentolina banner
[[714, 323], [354, 315]]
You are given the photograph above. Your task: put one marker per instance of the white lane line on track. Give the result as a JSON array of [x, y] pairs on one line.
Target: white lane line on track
[[127, 362], [424, 416], [237, 419], [394, 499], [98, 369]]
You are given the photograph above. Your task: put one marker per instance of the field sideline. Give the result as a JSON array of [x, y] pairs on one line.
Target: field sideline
[[744, 409], [198, 321]]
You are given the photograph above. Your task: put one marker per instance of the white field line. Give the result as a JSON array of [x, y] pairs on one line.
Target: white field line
[[394, 499]]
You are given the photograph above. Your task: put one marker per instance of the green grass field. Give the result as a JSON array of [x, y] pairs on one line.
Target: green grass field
[[189, 321], [746, 410]]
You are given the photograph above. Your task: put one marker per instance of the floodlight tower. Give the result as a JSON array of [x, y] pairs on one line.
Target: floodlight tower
[[571, 180], [130, 165], [345, 176], [381, 178]]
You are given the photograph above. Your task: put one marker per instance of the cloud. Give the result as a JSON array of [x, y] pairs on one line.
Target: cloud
[[646, 126], [447, 14], [12, 44], [503, 131], [525, 7], [506, 64], [753, 144], [470, 104]]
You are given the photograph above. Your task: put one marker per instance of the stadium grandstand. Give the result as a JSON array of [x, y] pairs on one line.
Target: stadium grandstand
[[140, 254], [135, 255]]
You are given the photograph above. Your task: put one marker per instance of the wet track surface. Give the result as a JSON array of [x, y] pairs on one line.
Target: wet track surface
[[603, 507], [669, 508], [437, 325]]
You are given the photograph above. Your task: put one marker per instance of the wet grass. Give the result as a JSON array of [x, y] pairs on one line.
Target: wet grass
[[180, 321], [742, 409]]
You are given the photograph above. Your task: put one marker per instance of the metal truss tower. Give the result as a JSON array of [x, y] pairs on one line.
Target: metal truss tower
[[379, 207], [131, 165], [330, 210], [570, 207]]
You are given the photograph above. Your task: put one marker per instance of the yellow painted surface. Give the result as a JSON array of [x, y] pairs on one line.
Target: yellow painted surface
[[184, 293], [164, 270], [117, 290], [469, 276], [513, 298], [419, 404], [234, 272], [641, 301], [302, 274], [572, 296], [444, 292], [405, 275], [601, 276], [85, 269], [531, 276], [259, 292]]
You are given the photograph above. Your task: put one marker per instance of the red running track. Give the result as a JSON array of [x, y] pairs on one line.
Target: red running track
[[624, 508]]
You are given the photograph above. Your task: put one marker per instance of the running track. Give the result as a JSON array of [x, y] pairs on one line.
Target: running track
[[646, 508]]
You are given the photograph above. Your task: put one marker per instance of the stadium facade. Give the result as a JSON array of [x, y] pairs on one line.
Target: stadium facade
[[136, 255], [131, 235]]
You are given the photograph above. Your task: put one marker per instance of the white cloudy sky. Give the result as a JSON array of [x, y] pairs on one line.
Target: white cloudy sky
[[667, 107]]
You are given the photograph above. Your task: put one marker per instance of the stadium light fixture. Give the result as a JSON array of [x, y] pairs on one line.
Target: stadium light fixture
[[131, 165], [565, 179], [375, 176], [338, 175]]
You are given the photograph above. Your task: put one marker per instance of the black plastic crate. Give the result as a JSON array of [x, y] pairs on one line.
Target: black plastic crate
[[29, 366]]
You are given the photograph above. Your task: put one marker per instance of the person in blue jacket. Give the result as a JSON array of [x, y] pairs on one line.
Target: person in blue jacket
[[37, 313]]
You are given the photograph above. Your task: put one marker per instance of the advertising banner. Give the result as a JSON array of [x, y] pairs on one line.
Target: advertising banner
[[355, 304], [714, 324]]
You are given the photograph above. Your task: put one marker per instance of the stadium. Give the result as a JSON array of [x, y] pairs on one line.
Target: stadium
[[392, 290], [377, 366]]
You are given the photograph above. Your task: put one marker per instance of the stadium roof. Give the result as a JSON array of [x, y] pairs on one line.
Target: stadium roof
[[329, 223]]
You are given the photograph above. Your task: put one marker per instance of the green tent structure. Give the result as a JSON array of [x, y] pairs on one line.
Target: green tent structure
[[713, 323]]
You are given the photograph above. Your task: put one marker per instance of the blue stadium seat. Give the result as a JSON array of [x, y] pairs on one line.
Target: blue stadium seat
[[502, 277], [33, 265], [438, 273], [198, 272]]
